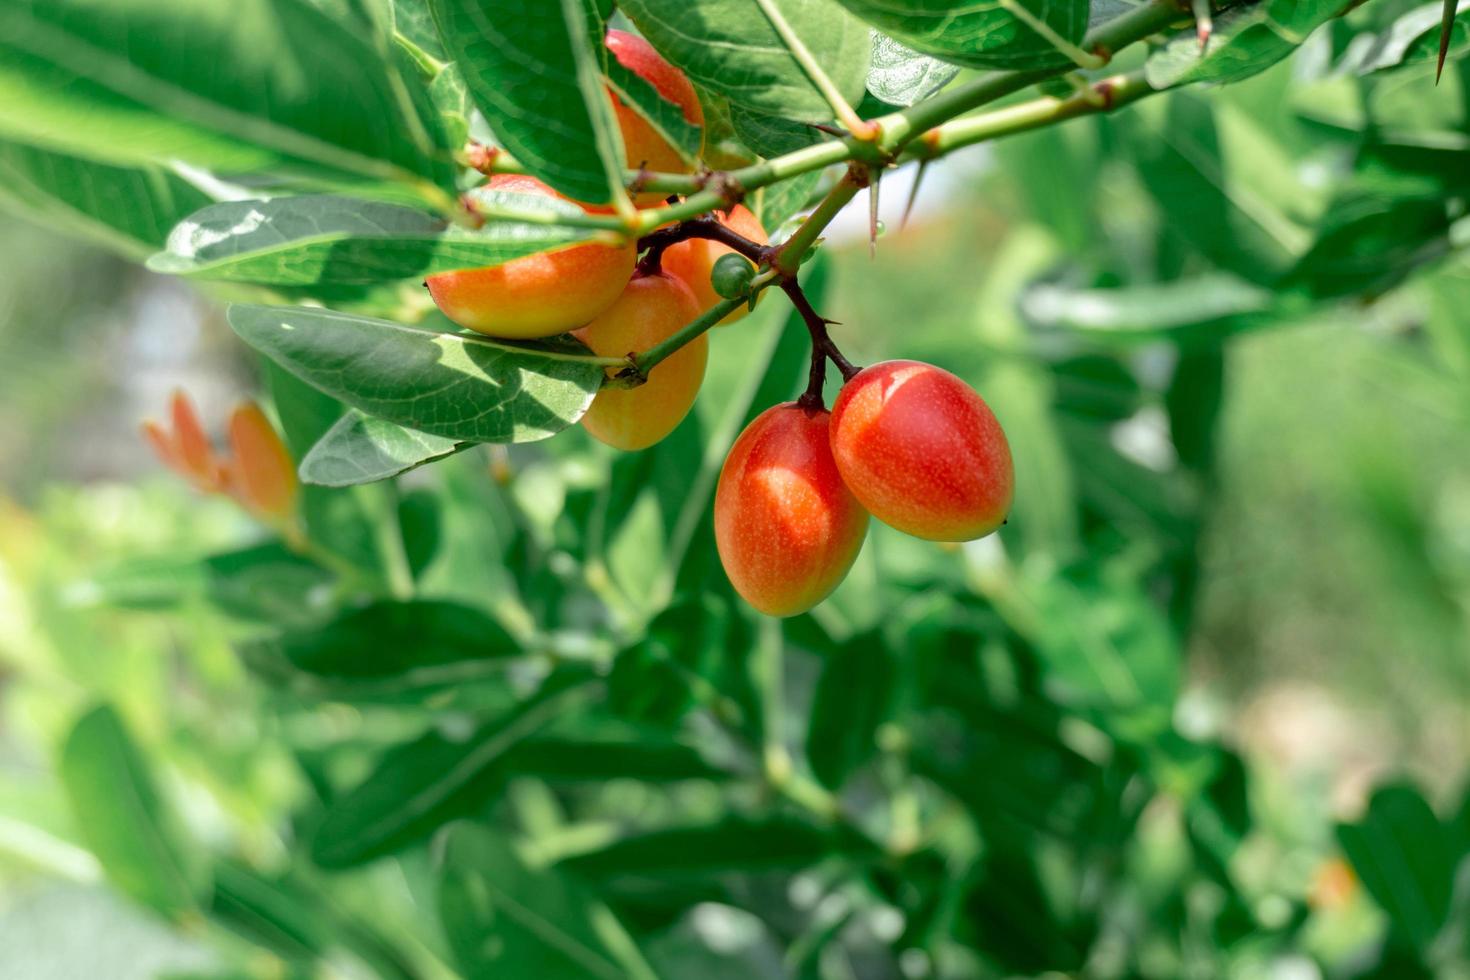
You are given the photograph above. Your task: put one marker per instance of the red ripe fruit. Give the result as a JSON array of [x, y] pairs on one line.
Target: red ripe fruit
[[922, 451], [786, 527]]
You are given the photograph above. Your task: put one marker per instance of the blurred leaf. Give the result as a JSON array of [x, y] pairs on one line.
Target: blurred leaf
[[693, 653], [323, 240], [718, 942], [388, 648], [267, 912], [1406, 861], [1101, 645], [216, 83], [458, 386], [736, 52], [1223, 183], [1369, 243], [124, 821], [519, 60], [733, 845], [419, 786], [1414, 37], [268, 583], [1246, 40], [652, 758], [852, 699], [362, 449], [503, 918], [978, 35], [1014, 774], [1145, 310], [1195, 395], [901, 76], [129, 209]]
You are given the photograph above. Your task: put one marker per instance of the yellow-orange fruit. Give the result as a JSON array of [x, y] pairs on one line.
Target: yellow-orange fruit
[[922, 451], [535, 295], [693, 259], [786, 527], [643, 146], [650, 309]]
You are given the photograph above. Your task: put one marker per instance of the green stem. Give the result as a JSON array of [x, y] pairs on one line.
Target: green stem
[[788, 256], [1104, 95], [841, 109], [382, 499], [898, 130], [655, 355]]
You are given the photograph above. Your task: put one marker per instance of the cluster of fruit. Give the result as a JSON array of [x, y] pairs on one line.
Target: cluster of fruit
[[906, 442], [598, 292]]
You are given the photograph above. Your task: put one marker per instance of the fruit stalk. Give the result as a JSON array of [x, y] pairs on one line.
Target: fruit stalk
[[823, 348]]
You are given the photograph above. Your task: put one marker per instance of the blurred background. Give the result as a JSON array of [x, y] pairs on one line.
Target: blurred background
[[1244, 500]]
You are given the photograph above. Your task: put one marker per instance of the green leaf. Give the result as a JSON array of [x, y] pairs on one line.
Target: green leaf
[[129, 209], [419, 786], [980, 35], [1406, 859], [1246, 40], [736, 52], [769, 135], [361, 449], [667, 118], [124, 821], [413, 21], [733, 845], [503, 918], [457, 386], [779, 202], [520, 61], [901, 76], [841, 734], [233, 85], [388, 648], [320, 239]]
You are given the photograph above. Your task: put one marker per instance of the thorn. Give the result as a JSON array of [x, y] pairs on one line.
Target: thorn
[[832, 323], [828, 129], [873, 214], [1446, 28], [1204, 24], [908, 207]]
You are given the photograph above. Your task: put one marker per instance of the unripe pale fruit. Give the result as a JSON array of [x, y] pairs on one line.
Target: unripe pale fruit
[[922, 451], [535, 295], [650, 309], [643, 146], [731, 275], [694, 259], [786, 527]]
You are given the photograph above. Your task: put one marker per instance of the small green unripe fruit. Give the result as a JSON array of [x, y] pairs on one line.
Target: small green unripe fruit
[[731, 275]]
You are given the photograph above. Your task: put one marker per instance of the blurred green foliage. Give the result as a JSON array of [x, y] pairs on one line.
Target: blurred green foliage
[[1200, 709]]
